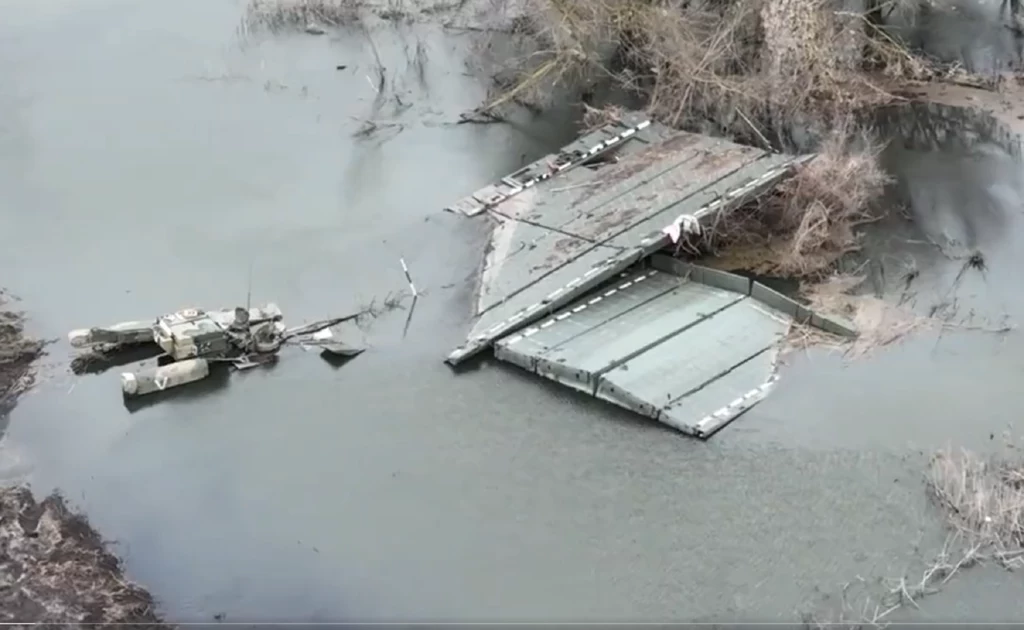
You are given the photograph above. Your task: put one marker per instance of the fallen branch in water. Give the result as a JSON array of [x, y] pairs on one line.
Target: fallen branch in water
[[391, 302], [315, 327], [451, 26], [983, 501], [480, 117], [369, 127]]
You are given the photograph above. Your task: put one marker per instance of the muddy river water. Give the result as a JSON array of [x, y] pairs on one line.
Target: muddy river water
[[147, 157]]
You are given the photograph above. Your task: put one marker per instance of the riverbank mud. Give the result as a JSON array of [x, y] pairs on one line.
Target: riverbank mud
[[17, 353], [54, 567]]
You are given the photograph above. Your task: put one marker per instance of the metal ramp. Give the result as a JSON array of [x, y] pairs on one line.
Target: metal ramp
[[562, 236], [584, 149], [689, 346], [685, 345]]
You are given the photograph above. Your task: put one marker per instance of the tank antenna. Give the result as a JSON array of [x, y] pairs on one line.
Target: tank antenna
[[248, 293]]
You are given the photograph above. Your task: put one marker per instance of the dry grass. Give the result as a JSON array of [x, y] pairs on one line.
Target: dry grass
[[278, 14], [878, 323], [983, 498], [594, 117], [983, 501], [281, 14], [819, 208], [863, 604], [17, 355], [756, 69], [740, 62], [810, 221]]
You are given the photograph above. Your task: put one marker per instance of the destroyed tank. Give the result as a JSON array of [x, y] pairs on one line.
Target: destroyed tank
[[192, 341], [190, 334], [185, 334]]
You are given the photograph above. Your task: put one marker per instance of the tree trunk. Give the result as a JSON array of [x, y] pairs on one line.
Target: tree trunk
[[874, 21]]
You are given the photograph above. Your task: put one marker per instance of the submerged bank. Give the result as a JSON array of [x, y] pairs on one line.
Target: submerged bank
[[54, 567]]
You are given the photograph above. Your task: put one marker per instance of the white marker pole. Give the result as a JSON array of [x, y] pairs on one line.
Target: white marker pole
[[408, 278]]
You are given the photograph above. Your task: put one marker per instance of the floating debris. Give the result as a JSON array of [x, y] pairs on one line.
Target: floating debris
[[328, 344]]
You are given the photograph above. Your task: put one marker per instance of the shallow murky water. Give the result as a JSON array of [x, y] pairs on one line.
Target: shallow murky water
[[972, 33], [951, 198], [147, 159]]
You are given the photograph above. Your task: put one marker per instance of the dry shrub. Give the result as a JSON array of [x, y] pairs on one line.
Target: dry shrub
[[983, 499], [733, 61], [815, 213], [808, 222], [878, 323], [278, 14], [756, 68], [596, 117], [17, 355], [537, 55]]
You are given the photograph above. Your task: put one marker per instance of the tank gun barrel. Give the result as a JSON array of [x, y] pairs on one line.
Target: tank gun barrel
[[121, 334], [317, 326]]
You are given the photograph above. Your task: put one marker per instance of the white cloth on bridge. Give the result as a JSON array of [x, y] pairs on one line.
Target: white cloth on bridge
[[684, 224]]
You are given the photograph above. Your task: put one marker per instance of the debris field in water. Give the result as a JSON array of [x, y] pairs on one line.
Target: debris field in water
[[187, 342]]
